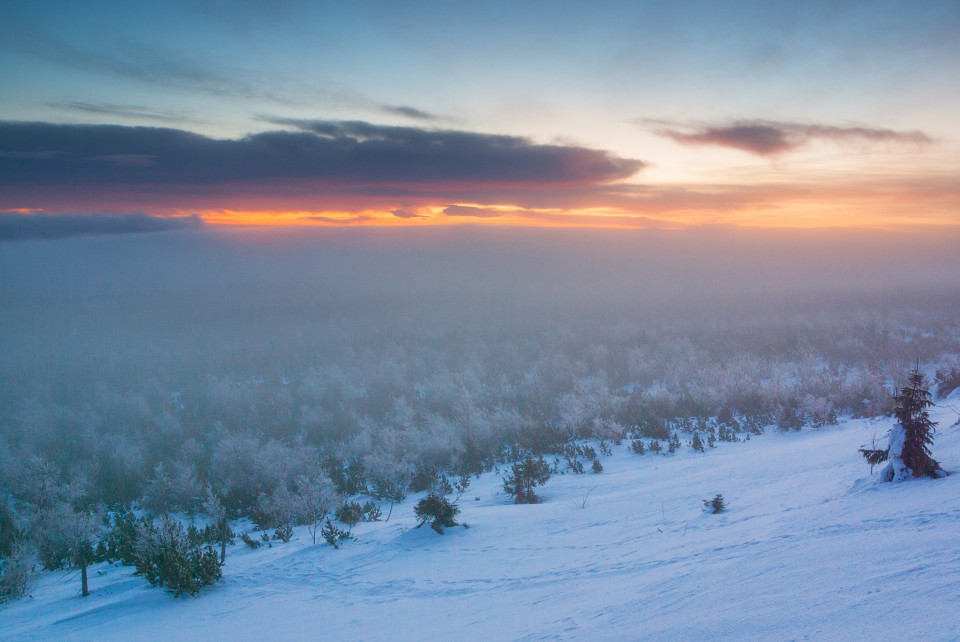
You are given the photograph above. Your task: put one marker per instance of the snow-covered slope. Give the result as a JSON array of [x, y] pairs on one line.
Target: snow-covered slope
[[809, 548]]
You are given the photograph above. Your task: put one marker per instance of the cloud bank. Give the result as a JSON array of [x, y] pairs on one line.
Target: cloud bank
[[769, 138], [320, 151], [16, 226]]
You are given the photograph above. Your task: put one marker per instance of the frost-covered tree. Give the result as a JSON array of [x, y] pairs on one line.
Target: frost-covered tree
[[64, 537], [172, 488], [213, 507], [315, 499], [17, 573], [389, 477], [910, 438]]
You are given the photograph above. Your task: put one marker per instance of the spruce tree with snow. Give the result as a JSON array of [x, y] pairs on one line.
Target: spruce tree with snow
[[910, 438]]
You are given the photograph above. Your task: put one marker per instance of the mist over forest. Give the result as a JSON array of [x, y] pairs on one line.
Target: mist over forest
[[147, 370]]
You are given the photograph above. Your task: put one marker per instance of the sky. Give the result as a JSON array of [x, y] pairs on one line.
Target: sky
[[635, 114]]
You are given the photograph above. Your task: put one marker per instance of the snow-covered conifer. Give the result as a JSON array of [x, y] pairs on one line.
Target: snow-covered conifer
[[910, 438]]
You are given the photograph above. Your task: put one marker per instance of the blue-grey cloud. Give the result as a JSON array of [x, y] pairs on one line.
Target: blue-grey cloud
[[408, 112], [348, 220], [317, 152], [769, 138], [16, 226], [405, 214], [467, 210]]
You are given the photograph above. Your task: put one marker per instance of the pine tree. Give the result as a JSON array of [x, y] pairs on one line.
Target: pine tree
[[524, 477], [697, 443], [673, 443], [438, 510], [910, 439]]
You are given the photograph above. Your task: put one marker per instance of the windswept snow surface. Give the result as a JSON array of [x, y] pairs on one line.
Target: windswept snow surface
[[809, 548]]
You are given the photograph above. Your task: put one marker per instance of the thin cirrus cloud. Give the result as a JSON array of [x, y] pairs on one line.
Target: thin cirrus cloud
[[136, 60], [771, 138], [311, 158], [134, 112]]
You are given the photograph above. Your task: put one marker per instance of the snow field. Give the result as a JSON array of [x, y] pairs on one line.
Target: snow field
[[809, 548]]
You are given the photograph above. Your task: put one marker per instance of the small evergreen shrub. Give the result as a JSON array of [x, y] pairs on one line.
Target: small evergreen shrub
[[119, 543], [524, 477], [571, 453], [438, 510], [715, 505], [166, 557], [350, 513], [656, 428], [283, 533], [249, 541], [334, 536], [697, 443], [655, 446], [637, 446], [371, 512], [727, 434], [673, 443], [874, 456], [597, 466]]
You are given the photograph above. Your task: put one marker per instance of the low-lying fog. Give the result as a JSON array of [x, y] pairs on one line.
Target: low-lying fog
[[240, 359]]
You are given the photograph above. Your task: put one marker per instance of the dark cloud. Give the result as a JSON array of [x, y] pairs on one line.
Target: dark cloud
[[318, 152], [16, 226], [428, 154], [769, 138], [405, 214], [466, 210]]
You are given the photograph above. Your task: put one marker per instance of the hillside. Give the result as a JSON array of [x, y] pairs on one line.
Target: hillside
[[809, 548]]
